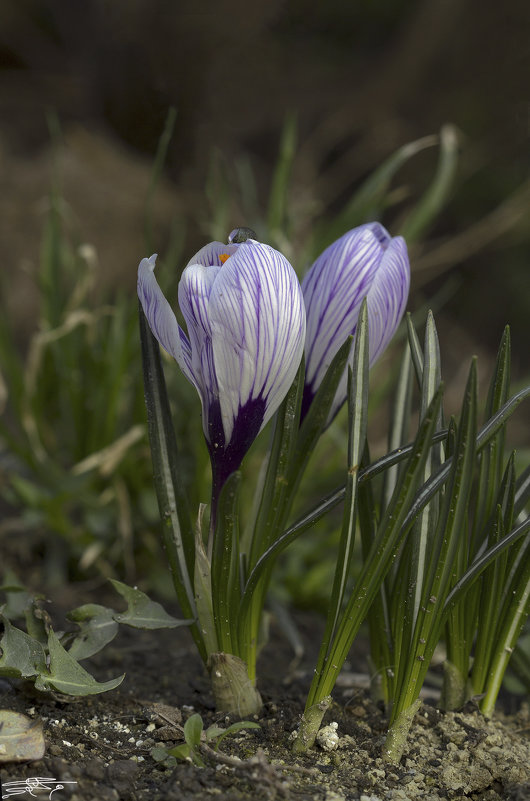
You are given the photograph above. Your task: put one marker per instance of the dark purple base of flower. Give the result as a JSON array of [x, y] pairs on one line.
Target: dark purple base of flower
[[307, 400], [227, 458]]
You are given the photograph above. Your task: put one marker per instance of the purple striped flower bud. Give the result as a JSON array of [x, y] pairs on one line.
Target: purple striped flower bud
[[365, 262], [244, 312]]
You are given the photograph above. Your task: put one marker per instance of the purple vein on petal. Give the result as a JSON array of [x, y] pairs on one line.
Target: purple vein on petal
[[333, 291]]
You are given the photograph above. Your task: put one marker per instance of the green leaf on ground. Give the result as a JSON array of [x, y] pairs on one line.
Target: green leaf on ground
[[193, 730], [218, 734], [21, 655], [67, 676], [97, 626], [142, 613]]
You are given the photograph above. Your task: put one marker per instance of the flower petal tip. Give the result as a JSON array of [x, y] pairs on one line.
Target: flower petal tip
[[149, 264]]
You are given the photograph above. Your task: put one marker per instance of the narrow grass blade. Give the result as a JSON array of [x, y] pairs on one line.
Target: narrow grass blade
[[514, 618], [415, 349], [53, 289], [451, 526], [368, 200], [501, 417], [330, 502], [522, 492], [399, 424], [437, 194], [461, 623], [276, 496], [388, 539], [491, 458], [308, 434], [485, 435], [11, 369], [520, 663], [489, 609], [357, 425], [409, 581], [481, 562], [160, 157], [280, 181], [379, 623], [271, 513], [202, 585], [422, 497], [316, 418], [177, 530]]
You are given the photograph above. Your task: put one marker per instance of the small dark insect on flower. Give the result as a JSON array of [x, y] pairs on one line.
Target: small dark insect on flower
[[241, 235]]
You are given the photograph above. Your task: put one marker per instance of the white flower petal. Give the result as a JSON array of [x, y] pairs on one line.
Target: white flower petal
[[161, 317], [209, 255], [258, 325], [245, 315], [194, 296]]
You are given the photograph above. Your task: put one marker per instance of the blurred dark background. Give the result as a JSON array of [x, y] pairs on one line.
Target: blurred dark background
[[362, 78]]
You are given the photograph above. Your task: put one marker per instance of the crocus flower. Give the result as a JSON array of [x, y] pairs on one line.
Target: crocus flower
[[365, 262], [244, 312]]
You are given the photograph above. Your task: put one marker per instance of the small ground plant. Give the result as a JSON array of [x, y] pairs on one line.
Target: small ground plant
[[51, 659], [196, 735]]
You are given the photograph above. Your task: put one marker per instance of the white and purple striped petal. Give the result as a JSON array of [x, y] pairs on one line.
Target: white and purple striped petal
[[210, 254], [365, 262], [194, 297], [257, 317], [161, 317], [245, 317]]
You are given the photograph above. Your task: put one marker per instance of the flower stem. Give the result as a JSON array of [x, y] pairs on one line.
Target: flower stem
[[396, 738], [310, 724], [455, 687], [234, 692]]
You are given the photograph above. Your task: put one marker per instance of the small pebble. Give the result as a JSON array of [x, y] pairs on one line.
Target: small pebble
[[327, 738]]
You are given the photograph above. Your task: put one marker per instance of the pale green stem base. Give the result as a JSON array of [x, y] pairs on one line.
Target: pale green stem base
[[310, 724], [378, 684], [233, 691], [396, 738], [455, 689]]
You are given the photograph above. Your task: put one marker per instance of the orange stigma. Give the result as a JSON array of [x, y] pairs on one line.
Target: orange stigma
[[223, 257]]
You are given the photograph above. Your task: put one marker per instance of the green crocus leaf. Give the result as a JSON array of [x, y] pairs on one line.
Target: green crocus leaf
[[177, 530], [225, 565]]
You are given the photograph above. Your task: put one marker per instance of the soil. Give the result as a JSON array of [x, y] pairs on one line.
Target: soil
[[103, 744]]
